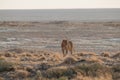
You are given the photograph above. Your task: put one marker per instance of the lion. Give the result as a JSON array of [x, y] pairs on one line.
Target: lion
[[67, 46]]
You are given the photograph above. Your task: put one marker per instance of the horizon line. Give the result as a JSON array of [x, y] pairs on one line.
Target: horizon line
[[58, 8]]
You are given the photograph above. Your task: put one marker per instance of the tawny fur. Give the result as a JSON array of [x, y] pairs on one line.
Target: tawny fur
[[67, 46]]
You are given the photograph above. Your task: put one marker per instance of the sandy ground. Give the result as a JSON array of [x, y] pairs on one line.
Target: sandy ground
[[86, 36]]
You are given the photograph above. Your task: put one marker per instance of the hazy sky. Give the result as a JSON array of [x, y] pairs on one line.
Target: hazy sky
[[55, 4]]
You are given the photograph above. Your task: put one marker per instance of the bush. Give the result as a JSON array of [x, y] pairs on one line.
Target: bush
[[116, 56], [58, 73], [93, 70], [5, 66], [105, 54], [116, 72], [63, 78], [8, 54]]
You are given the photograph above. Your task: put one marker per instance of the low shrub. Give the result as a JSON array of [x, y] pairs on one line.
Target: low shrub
[[5, 66], [94, 70], [7, 54], [105, 54], [116, 72], [58, 73]]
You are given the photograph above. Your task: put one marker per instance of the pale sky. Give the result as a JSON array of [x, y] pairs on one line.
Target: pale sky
[[58, 4]]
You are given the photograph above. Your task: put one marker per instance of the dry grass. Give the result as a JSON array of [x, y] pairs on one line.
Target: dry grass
[[69, 60], [95, 59], [1, 78], [84, 53], [22, 73], [45, 65], [57, 56], [106, 77]]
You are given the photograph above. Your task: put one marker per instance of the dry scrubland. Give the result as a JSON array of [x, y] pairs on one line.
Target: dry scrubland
[[19, 64], [34, 53]]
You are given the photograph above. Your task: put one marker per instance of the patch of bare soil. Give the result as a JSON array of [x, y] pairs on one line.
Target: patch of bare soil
[[86, 36]]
